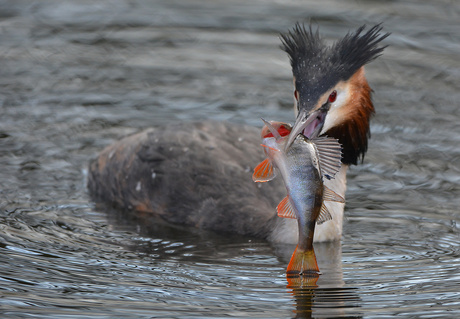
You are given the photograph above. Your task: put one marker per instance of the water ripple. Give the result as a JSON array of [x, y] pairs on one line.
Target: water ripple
[[77, 76]]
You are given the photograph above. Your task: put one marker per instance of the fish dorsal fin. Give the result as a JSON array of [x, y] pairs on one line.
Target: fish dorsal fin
[[331, 196], [285, 209], [324, 215], [329, 154], [264, 172]]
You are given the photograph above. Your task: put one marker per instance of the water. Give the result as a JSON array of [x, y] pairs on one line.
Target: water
[[76, 76]]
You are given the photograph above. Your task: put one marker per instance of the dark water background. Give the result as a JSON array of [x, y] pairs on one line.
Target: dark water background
[[77, 75]]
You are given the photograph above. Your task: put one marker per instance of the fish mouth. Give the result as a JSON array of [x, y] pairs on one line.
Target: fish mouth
[[308, 124]]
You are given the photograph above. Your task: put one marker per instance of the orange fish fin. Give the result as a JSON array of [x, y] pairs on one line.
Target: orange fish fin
[[331, 196], [303, 263], [285, 209], [324, 215], [302, 282], [263, 172]]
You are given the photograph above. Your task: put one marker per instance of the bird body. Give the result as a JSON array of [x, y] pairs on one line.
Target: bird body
[[199, 174]]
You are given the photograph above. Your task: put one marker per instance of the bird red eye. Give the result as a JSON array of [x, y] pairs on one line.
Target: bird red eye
[[332, 96], [296, 94]]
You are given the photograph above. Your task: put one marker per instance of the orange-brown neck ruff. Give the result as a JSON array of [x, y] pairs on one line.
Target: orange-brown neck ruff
[[353, 130]]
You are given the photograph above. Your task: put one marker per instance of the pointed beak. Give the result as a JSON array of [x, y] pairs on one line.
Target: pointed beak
[[308, 124]]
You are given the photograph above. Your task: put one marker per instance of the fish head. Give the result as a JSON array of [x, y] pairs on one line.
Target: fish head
[[275, 129], [274, 135]]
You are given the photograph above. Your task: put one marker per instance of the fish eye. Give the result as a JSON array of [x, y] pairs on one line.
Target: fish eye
[[332, 96]]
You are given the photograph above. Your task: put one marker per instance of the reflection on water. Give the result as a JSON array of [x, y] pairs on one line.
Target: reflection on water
[[247, 259], [325, 302], [77, 76], [326, 295]]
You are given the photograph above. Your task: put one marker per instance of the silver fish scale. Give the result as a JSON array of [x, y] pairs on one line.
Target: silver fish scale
[[303, 178]]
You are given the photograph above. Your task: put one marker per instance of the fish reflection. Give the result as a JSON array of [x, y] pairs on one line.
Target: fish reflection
[[323, 296]]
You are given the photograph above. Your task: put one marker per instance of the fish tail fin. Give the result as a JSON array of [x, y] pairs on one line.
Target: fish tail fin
[[303, 263], [302, 282]]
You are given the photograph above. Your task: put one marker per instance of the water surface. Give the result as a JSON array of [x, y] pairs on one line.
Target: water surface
[[77, 76]]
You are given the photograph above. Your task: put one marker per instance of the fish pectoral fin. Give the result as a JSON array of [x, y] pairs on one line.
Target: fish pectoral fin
[[331, 196], [324, 215], [285, 209], [329, 155], [263, 172]]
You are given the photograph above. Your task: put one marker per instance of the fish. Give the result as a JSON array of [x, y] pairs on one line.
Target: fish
[[303, 165]]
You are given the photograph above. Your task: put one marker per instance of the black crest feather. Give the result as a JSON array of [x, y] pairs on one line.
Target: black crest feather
[[319, 66]]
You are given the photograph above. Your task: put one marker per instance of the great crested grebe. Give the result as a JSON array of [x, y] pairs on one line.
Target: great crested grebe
[[200, 174]]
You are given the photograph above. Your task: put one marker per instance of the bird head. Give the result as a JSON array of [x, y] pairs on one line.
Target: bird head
[[331, 93]]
